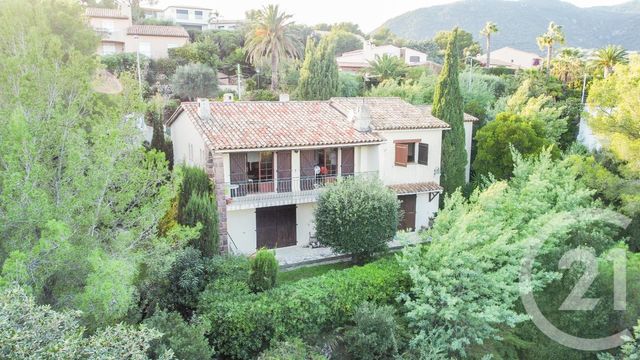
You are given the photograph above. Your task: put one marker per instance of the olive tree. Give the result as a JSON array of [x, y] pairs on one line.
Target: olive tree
[[194, 80]]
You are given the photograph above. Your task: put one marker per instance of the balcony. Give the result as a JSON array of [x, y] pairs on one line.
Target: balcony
[[253, 194]]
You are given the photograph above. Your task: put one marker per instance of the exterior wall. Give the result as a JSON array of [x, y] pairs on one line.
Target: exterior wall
[[188, 146], [191, 21], [425, 209], [113, 33], [241, 226], [158, 46], [413, 172], [408, 53], [468, 137]]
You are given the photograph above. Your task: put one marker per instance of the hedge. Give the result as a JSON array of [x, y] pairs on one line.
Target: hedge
[[243, 323]]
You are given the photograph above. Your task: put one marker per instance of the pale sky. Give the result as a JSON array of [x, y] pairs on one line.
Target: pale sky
[[369, 14]]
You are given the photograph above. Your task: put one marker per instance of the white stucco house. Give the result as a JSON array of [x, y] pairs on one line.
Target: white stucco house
[[357, 60], [512, 58], [270, 160]]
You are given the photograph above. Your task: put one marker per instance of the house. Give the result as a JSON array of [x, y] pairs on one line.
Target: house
[[190, 18], [357, 60], [512, 58], [225, 24], [270, 160], [119, 35]]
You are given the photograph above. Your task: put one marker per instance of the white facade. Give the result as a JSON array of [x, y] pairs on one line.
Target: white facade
[[353, 61], [191, 18], [371, 160]]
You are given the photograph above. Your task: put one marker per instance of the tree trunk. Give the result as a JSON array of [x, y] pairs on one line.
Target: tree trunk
[[549, 51], [607, 71], [274, 71], [488, 50]]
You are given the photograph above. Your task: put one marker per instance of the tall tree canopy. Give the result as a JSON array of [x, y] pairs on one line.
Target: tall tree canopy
[[553, 35], [448, 106], [319, 74], [489, 28], [609, 56], [272, 36]]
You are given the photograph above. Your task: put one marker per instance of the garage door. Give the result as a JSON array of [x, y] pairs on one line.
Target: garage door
[[276, 226]]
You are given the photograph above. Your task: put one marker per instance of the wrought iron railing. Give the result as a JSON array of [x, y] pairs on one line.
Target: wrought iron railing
[[238, 189]]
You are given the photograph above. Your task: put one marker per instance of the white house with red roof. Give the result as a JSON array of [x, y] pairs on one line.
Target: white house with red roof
[[270, 160]]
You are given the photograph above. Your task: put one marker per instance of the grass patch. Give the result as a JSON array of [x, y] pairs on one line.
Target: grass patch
[[309, 271]]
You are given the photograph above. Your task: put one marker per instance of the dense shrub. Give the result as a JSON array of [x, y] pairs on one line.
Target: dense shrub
[[186, 340], [291, 349], [262, 95], [357, 216], [243, 323], [125, 62], [264, 270], [374, 335], [194, 179]]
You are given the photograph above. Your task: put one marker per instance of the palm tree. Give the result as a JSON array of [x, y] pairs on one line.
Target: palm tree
[[547, 40], [569, 66], [272, 36], [610, 56], [387, 67], [489, 28]]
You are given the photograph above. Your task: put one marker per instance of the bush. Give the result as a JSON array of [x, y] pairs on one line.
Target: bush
[[194, 179], [292, 349], [374, 335], [264, 271], [262, 95], [186, 340], [125, 62], [194, 80], [243, 323], [357, 217]]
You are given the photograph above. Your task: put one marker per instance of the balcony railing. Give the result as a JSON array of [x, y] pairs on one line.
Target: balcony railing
[[287, 187]]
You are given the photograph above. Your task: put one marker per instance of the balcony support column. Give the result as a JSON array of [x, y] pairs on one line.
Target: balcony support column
[[215, 170]]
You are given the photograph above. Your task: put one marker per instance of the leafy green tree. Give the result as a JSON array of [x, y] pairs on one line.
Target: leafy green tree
[[272, 36], [202, 209], [570, 67], [291, 349], [448, 106], [554, 35], [496, 139], [80, 198], [466, 281], [609, 56], [374, 334], [351, 85], [344, 41], [47, 334], [194, 80], [387, 67], [466, 45], [357, 217], [383, 36], [264, 271], [428, 47], [319, 74], [489, 28], [185, 340]]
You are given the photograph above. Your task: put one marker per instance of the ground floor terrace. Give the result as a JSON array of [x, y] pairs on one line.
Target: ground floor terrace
[[286, 223]]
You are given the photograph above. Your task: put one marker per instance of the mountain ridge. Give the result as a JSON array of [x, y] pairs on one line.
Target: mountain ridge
[[520, 22]]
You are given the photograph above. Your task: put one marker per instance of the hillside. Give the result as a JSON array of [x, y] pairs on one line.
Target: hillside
[[521, 21]]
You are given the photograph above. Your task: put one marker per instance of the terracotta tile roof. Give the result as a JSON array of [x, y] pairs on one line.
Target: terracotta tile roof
[[416, 188], [157, 30], [262, 124], [467, 117], [105, 13], [391, 113]]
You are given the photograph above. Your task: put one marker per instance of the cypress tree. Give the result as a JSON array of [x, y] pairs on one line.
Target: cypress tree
[[448, 106], [194, 180], [201, 208], [319, 73]]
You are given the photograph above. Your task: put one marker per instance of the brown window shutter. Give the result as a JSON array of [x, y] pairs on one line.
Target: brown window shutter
[[423, 154], [402, 152]]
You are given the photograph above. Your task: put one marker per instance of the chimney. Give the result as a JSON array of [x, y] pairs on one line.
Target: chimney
[[227, 97], [204, 109], [284, 97], [360, 118]]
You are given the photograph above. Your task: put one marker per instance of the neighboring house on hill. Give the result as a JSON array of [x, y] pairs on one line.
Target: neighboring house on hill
[[190, 18], [357, 60], [512, 58], [269, 160], [119, 35]]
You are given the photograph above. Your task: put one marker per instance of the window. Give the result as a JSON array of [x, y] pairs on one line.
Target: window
[[327, 161], [260, 166], [145, 48], [408, 153], [182, 14], [536, 62], [198, 14], [414, 59]]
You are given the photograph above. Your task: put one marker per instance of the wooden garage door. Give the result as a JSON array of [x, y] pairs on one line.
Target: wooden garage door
[[276, 226], [408, 206]]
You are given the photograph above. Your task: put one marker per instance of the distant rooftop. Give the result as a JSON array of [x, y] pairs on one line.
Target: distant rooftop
[[105, 13]]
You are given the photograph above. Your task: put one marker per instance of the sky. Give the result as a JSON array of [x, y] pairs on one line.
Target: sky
[[369, 14]]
